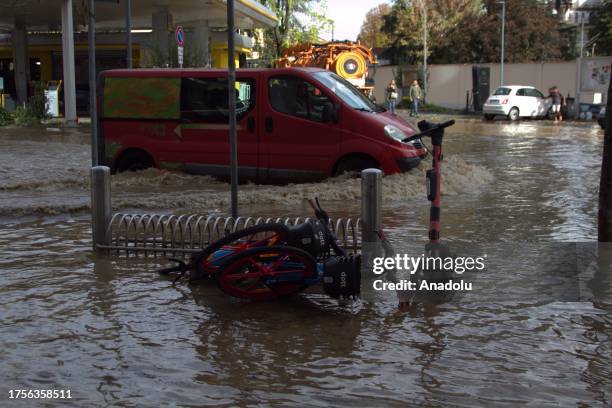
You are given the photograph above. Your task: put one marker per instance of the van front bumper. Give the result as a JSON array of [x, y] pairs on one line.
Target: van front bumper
[[407, 163]]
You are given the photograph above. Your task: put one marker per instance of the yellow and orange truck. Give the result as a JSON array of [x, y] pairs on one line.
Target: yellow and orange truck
[[347, 59]]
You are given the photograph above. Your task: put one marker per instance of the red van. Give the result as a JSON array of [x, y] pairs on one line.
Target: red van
[[293, 124]]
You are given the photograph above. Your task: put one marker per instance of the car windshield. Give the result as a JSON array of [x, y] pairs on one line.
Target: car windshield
[[502, 91], [346, 91]]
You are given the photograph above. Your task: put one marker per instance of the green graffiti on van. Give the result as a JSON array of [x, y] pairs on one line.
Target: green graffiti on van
[[142, 98]]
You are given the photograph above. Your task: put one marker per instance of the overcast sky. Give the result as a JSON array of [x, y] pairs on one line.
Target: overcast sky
[[348, 16]]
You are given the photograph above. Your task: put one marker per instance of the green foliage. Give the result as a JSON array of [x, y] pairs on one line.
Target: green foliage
[[371, 34], [159, 57], [6, 117], [24, 117], [404, 25], [32, 113], [601, 20], [299, 21], [38, 104], [469, 31]]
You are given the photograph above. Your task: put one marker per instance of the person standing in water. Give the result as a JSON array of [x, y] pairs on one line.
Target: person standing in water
[[557, 100]]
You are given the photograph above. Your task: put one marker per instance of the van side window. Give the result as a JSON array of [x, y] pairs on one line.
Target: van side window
[[296, 97], [205, 99]]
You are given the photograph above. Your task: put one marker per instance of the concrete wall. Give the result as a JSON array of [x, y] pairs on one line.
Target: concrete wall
[[382, 77], [448, 84]]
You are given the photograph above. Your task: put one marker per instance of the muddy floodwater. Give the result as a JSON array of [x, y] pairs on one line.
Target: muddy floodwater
[[536, 329]]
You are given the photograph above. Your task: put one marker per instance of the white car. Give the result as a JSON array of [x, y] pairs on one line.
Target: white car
[[516, 101]]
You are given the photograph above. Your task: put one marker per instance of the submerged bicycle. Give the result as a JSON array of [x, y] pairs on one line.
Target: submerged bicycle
[[271, 261]]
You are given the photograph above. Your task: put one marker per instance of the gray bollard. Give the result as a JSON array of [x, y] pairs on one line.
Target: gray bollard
[[371, 218], [100, 205]]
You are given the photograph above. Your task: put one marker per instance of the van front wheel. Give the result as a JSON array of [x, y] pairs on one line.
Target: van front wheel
[[134, 161]]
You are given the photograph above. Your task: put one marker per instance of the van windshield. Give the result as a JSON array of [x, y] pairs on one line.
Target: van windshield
[[346, 91]]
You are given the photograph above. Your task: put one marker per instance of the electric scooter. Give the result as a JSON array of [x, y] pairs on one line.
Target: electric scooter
[[434, 248]]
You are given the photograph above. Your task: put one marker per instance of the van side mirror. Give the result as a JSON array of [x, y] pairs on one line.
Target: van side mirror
[[330, 112]]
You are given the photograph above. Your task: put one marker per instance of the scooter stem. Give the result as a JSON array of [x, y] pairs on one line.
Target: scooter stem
[[434, 212], [434, 176]]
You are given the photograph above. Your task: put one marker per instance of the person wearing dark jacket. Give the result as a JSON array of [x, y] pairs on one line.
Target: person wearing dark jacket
[[415, 94]]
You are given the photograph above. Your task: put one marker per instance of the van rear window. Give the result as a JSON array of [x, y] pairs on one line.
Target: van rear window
[[142, 98]]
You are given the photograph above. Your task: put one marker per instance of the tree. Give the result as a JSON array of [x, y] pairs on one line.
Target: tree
[[371, 34], [601, 30], [298, 21], [404, 26], [469, 31], [532, 32]]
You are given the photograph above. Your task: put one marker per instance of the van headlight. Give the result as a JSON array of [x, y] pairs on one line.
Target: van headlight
[[394, 133]]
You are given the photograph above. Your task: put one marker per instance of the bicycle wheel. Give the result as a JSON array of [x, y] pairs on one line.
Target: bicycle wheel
[[266, 273], [206, 263]]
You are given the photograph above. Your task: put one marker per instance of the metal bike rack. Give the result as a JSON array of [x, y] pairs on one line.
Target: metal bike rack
[[152, 234], [168, 233]]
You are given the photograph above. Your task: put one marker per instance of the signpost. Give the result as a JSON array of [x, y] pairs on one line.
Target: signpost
[[179, 35], [231, 87]]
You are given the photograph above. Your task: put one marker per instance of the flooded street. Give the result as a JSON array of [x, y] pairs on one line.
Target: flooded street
[[537, 328]]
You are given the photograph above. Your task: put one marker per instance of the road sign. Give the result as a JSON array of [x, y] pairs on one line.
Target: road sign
[[179, 35], [180, 56]]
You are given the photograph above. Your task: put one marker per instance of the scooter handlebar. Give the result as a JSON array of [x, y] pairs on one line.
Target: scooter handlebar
[[429, 130]]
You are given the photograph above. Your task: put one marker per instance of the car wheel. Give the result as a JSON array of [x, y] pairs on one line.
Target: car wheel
[[489, 116], [513, 115], [134, 161]]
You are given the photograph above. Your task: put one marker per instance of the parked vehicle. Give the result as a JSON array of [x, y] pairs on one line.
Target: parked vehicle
[[294, 124], [601, 117], [517, 101]]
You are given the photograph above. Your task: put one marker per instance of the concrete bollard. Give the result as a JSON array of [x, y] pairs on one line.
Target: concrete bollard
[[100, 205], [371, 218]]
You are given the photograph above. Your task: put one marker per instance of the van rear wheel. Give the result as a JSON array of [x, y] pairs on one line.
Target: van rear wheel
[[134, 161], [354, 166]]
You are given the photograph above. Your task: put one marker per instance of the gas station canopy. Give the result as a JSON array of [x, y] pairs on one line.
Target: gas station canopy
[[45, 15]]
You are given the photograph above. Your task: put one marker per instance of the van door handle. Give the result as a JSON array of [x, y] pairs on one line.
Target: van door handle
[[251, 124], [269, 124]]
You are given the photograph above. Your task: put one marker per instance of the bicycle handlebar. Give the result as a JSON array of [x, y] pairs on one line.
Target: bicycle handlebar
[[323, 218]]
